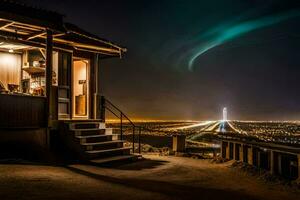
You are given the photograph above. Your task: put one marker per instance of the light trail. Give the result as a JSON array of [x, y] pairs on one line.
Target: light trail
[[236, 129], [213, 127], [192, 126], [204, 144], [267, 131]]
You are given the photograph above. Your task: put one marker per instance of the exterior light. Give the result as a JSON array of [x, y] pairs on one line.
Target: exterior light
[[10, 50]]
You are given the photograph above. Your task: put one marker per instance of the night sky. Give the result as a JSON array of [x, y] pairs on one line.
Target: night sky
[[188, 59]]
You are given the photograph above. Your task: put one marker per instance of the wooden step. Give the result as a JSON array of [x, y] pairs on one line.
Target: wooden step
[[86, 125], [91, 140], [103, 145], [87, 132], [108, 152], [94, 138], [114, 159]]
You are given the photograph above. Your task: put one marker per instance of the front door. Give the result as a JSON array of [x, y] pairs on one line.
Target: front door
[[81, 88], [62, 70]]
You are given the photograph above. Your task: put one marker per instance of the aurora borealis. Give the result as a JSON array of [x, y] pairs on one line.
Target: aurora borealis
[[187, 59], [224, 33]]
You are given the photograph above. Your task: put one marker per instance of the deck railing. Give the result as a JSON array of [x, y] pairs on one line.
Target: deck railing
[[119, 114]]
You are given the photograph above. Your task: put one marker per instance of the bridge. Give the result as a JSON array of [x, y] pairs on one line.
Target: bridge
[[278, 156]]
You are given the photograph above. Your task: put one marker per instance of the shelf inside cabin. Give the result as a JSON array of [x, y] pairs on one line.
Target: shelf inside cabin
[[34, 70]]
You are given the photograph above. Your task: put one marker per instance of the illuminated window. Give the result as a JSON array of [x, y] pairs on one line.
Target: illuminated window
[[23, 69]]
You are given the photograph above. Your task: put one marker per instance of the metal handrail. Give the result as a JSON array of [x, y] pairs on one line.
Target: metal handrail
[[106, 104], [124, 115]]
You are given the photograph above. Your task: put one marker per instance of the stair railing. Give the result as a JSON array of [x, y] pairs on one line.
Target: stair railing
[[118, 113]]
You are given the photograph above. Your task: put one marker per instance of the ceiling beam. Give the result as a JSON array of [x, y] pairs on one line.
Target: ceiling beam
[[95, 51], [82, 45], [22, 26], [13, 31], [85, 46], [25, 24], [35, 35], [6, 25], [43, 52], [59, 34], [99, 40], [20, 41]]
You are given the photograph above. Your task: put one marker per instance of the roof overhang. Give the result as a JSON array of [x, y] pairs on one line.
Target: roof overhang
[[16, 25]]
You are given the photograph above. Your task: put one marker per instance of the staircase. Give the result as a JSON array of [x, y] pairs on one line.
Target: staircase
[[93, 142]]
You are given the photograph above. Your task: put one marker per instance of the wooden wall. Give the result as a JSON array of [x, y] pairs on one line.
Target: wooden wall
[[18, 111], [10, 68]]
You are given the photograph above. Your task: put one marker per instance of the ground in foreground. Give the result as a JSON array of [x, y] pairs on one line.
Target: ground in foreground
[[156, 177]]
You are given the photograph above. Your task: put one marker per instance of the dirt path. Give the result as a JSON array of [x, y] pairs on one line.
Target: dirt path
[[158, 177]]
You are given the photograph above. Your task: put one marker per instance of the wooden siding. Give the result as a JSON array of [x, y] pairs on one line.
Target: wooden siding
[[17, 111], [10, 68]]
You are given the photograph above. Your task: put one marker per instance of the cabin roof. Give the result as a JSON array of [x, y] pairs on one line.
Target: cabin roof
[[21, 21], [74, 33], [23, 13]]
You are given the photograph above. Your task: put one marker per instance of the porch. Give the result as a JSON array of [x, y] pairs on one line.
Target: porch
[[50, 78]]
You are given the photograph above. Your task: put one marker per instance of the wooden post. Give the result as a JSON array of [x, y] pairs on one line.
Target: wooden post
[[234, 151], [231, 150], [258, 158], [140, 130], [179, 143], [102, 108], [245, 154], [298, 158], [272, 162], [133, 138], [227, 151], [222, 150], [250, 155], [96, 85], [241, 152], [279, 164], [49, 48]]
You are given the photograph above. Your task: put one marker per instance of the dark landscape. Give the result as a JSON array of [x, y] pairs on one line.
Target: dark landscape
[[158, 100]]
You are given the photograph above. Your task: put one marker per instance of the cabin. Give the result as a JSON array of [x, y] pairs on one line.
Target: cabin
[[49, 84]]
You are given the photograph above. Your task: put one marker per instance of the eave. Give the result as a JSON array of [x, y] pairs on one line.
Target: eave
[[79, 40]]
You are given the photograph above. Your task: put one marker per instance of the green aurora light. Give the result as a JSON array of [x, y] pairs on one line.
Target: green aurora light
[[222, 34]]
